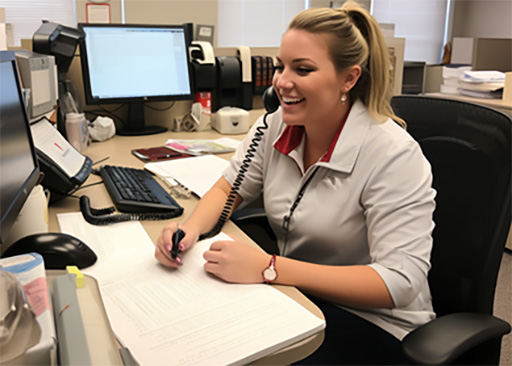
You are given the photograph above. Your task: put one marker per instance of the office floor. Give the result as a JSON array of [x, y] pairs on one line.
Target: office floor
[[503, 304]]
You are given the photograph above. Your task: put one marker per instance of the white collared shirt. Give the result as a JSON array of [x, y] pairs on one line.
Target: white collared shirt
[[370, 202]]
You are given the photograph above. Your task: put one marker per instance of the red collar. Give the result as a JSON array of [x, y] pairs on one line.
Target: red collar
[[292, 136]]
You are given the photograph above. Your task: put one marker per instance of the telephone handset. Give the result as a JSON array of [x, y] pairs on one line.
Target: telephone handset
[[271, 103], [270, 100]]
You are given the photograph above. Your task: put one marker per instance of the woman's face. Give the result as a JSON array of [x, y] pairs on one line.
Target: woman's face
[[306, 80]]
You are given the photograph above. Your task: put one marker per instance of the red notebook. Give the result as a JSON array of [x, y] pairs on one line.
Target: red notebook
[[158, 153]]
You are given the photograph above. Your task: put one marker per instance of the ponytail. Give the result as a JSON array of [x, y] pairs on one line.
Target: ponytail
[[355, 39]]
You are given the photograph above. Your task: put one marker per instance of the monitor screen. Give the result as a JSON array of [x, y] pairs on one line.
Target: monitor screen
[[19, 170], [135, 64]]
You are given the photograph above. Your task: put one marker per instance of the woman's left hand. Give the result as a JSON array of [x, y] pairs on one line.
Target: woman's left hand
[[236, 261]]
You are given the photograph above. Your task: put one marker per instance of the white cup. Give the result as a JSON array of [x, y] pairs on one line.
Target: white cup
[[77, 131]]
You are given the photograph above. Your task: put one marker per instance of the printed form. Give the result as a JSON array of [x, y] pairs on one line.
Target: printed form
[[185, 316]]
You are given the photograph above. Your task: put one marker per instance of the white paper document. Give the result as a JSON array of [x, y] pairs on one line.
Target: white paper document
[[185, 316], [197, 173]]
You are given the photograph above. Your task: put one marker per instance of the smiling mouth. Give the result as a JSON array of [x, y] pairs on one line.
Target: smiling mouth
[[290, 101]]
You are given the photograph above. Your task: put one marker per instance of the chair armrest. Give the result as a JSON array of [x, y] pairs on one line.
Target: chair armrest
[[444, 339]]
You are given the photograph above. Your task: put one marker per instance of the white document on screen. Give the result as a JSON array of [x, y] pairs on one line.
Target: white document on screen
[[185, 316]]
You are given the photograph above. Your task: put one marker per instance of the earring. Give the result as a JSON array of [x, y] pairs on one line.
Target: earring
[[343, 99]]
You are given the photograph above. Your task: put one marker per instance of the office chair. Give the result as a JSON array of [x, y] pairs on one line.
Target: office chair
[[469, 147]]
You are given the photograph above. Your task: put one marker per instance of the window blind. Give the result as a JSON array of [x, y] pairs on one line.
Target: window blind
[[26, 15], [421, 22]]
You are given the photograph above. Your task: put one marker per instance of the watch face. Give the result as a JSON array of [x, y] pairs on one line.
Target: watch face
[[270, 274]]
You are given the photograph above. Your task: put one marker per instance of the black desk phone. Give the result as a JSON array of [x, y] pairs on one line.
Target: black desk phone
[[56, 158]]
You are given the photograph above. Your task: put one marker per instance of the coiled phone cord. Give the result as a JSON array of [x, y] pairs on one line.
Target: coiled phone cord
[[228, 206], [105, 216], [271, 103]]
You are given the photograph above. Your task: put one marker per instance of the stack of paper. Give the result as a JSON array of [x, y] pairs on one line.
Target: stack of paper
[[185, 316], [482, 84], [200, 147], [451, 75]]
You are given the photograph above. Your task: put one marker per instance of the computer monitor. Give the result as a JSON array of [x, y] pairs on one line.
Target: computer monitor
[[19, 170], [135, 64]]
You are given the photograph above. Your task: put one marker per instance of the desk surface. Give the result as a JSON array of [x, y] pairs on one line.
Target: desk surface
[[118, 151], [499, 104]]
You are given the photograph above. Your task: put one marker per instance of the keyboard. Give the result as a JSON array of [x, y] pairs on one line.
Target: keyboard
[[135, 190]]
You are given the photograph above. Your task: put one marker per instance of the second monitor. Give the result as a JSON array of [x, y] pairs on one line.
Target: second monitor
[[135, 64]]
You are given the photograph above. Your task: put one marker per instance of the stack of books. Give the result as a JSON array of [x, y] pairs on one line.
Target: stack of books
[[482, 84], [451, 74]]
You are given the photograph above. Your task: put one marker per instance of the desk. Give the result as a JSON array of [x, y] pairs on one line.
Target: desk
[[118, 150], [499, 104]]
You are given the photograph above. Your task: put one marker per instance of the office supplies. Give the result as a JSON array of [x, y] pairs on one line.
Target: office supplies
[[39, 74], [232, 88], [262, 73], [198, 173], [65, 168], [30, 271], [57, 249], [176, 238], [231, 120], [135, 64], [199, 147], [204, 65], [451, 74], [157, 153], [79, 277], [196, 120], [61, 42], [73, 348], [135, 190], [211, 322]]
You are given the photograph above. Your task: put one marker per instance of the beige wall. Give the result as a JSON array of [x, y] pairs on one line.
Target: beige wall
[[159, 12], [482, 19]]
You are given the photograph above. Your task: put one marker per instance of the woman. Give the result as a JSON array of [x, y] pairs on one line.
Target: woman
[[352, 186]]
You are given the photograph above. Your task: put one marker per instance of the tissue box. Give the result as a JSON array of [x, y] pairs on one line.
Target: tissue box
[[29, 268]]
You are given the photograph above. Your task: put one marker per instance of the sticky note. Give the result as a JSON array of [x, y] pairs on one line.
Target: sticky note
[[79, 278]]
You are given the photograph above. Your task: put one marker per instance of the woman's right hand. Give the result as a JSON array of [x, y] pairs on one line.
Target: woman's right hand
[[164, 244]]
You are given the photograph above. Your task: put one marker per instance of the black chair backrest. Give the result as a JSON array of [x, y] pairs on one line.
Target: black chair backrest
[[469, 148]]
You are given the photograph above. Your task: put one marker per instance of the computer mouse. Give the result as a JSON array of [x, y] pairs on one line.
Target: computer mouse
[[57, 249]]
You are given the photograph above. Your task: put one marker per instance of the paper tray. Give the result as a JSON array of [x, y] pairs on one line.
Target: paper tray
[[103, 346]]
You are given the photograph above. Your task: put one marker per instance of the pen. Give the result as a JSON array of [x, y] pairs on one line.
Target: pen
[[176, 238]]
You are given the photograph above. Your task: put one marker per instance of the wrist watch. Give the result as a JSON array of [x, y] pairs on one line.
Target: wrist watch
[[270, 273]]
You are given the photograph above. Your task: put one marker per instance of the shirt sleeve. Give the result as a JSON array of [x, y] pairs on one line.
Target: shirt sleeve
[[399, 203]]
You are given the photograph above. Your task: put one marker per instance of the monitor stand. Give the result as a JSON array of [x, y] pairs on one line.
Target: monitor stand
[[135, 125]]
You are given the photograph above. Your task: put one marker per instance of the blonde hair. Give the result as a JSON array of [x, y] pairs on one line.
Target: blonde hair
[[355, 38]]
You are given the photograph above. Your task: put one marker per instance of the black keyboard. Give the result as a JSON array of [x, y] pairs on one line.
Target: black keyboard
[[135, 190]]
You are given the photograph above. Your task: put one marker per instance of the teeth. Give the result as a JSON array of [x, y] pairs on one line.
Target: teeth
[[291, 100]]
